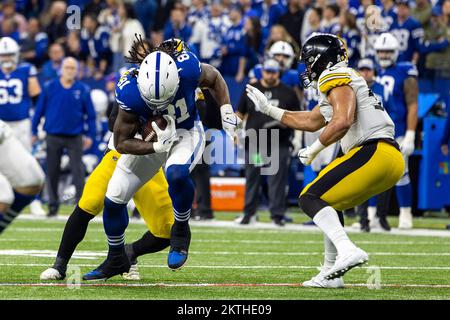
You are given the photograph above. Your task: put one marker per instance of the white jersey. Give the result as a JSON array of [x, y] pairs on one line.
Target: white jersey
[[371, 120]]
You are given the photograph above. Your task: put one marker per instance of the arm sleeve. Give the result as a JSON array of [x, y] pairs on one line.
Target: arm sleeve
[[39, 111]]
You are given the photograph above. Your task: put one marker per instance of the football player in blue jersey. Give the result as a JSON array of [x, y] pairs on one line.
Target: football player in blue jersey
[[409, 33], [399, 80], [19, 90], [19, 86], [164, 84]]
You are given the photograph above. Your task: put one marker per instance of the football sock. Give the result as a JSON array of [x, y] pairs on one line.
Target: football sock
[[328, 221], [181, 191], [330, 252], [20, 202], [330, 249], [73, 234], [404, 195], [148, 244], [115, 221]]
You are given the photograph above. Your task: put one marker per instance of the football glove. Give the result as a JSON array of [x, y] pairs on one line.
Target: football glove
[[166, 137], [230, 121], [307, 155], [407, 143], [262, 103]]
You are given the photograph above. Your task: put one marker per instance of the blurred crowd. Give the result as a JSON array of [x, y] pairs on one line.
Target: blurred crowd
[[231, 35]]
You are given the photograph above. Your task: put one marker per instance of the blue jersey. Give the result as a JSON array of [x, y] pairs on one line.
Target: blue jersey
[[409, 35], [234, 40], [97, 45], [183, 107], [289, 77], [15, 103], [392, 79]]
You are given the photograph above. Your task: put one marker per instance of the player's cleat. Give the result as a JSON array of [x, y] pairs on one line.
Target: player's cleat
[[180, 240], [115, 264], [346, 262], [52, 274], [319, 281], [133, 274], [287, 219], [177, 259]]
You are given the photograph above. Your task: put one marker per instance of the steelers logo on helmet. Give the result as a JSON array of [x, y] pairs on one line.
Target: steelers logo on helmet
[[320, 52], [158, 80]]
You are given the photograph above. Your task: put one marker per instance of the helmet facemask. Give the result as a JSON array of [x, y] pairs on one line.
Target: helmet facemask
[[386, 58]]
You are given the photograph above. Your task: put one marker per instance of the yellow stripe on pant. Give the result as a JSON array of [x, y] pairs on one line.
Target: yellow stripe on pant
[[152, 199], [355, 177]]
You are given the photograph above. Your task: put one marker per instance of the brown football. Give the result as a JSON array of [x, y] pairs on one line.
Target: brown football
[[148, 134]]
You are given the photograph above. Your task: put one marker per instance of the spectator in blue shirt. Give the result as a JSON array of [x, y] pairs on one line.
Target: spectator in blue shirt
[[177, 27], [67, 107], [51, 68], [234, 47], [269, 12]]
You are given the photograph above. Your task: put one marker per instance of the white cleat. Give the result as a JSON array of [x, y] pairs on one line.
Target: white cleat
[[319, 281], [133, 274], [51, 274], [346, 262], [405, 219]]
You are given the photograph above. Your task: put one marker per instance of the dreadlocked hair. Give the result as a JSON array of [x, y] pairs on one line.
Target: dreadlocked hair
[[139, 50]]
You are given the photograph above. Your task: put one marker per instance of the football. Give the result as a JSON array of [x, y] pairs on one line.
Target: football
[[148, 134]]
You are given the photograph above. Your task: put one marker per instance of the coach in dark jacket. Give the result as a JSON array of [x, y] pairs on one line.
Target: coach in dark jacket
[[283, 97], [67, 107]]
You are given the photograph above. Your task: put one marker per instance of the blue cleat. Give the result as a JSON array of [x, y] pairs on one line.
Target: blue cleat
[[177, 259], [116, 263], [180, 240]]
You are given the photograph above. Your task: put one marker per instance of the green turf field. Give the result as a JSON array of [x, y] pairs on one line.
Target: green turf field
[[229, 263]]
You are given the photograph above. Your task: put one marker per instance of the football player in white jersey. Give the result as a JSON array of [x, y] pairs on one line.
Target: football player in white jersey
[[350, 113], [20, 181]]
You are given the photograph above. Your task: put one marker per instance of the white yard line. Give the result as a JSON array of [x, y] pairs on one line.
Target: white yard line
[[261, 226], [246, 241], [299, 267], [190, 285], [92, 254]]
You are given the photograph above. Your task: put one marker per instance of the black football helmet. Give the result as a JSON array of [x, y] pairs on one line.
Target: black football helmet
[[320, 52], [173, 47]]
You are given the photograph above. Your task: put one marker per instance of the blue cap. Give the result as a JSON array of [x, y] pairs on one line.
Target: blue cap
[[271, 65]]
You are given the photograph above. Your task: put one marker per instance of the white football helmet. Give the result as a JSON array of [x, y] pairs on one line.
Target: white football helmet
[[9, 52], [386, 47], [100, 102], [285, 49], [158, 80]]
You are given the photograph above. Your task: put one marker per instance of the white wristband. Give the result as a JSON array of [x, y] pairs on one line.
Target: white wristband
[[276, 113], [226, 108], [410, 135], [316, 147]]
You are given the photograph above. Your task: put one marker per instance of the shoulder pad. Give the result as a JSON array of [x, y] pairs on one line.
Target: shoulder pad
[[334, 77], [409, 69]]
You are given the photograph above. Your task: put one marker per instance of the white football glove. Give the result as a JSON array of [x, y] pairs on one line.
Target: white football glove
[[166, 137], [230, 121], [262, 104], [407, 144], [307, 155]]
